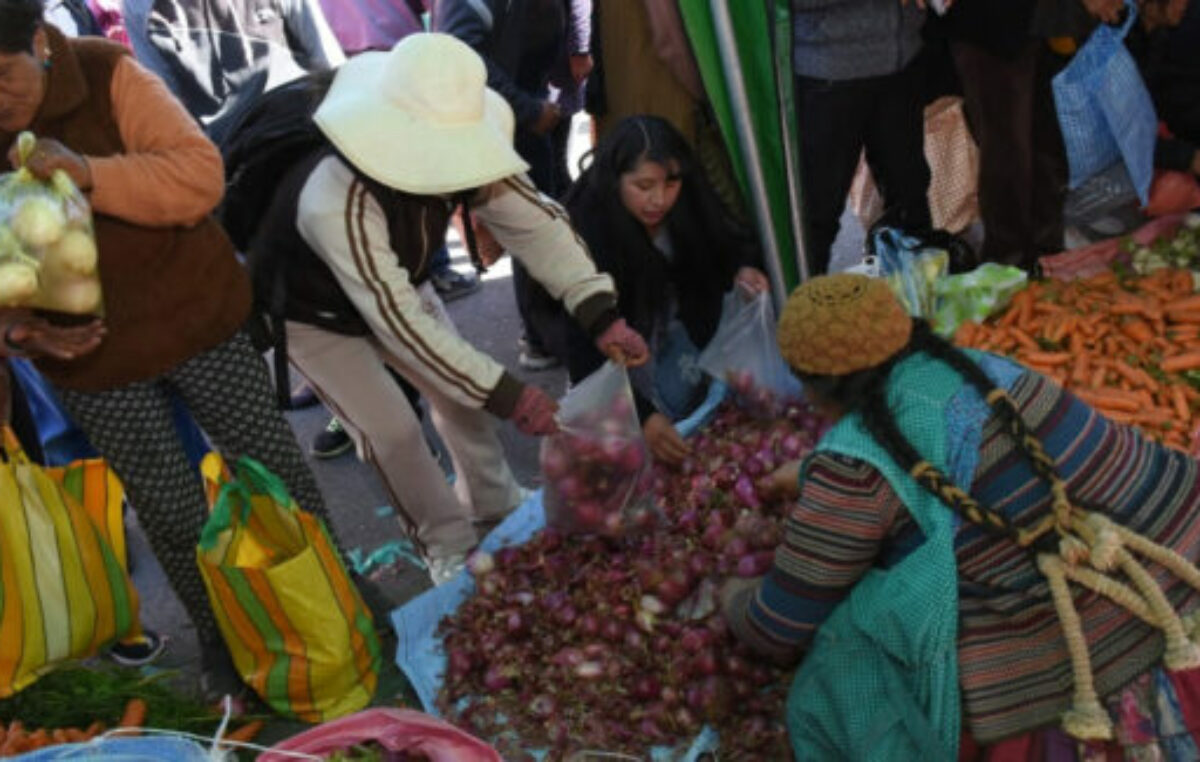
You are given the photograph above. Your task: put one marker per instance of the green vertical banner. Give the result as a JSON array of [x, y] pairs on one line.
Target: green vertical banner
[[743, 49]]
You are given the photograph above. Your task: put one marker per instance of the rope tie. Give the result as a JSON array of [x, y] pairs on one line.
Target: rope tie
[[1086, 719]]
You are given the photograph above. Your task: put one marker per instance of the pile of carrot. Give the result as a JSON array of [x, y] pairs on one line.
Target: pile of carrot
[[1119, 343]]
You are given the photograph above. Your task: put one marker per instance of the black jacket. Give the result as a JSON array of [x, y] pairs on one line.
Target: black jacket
[[1169, 60], [519, 41]]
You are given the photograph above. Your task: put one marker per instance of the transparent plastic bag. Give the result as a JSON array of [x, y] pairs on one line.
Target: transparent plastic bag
[[597, 468], [744, 354], [48, 256], [975, 295]]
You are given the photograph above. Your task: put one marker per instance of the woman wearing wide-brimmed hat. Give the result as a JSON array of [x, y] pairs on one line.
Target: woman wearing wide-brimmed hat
[[938, 569], [409, 133]]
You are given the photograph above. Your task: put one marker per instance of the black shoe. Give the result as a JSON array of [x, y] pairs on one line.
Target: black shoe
[[140, 651], [303, 397], [331, 442]]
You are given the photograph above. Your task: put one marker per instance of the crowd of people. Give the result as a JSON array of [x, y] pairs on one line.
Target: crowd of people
[[343, 265]]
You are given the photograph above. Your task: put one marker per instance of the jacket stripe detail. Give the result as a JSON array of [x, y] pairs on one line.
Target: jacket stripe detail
[[555, 211], [356, 233]]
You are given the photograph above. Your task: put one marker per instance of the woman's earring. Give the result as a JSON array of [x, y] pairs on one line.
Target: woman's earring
[[46, 61]]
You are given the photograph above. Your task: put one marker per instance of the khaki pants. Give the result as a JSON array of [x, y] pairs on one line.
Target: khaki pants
[[348, 374]]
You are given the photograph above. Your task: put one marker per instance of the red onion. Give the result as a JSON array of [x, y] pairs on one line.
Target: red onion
[[626, 669]]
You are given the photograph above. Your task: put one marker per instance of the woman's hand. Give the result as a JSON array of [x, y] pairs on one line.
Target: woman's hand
[[664, 440], [48, 155], [26, 334], [782, 483], [623, 345], [751, 281]]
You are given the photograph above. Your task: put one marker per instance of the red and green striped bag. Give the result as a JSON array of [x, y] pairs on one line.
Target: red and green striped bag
[[299, 633], [64, 591]]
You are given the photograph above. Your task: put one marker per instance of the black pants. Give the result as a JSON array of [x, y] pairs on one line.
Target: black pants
[[229, 393], [538, 151], [1022, 161], [837, 121]]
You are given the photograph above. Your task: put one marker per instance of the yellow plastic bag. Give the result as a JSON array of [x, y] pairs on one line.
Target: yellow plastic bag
[[297, 629], [64, 593]]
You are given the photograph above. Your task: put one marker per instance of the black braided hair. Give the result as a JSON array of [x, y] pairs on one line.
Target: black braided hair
[[865, 392]]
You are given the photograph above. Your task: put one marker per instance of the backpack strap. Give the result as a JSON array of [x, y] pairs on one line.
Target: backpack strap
[[464, 203]]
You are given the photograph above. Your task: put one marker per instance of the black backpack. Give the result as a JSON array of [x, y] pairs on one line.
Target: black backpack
[[268, 140]]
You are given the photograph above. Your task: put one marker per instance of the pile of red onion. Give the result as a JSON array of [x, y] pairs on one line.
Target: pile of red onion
[[615, 644]]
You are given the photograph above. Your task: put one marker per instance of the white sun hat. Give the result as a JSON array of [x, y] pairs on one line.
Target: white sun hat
[[420, 118]]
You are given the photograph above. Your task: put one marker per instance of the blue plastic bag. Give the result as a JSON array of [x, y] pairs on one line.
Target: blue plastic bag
[[911, 268], [151, 749], [1105, 110]]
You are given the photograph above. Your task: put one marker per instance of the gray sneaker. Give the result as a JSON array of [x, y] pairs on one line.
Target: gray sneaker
[[452, 284], [446, 568]]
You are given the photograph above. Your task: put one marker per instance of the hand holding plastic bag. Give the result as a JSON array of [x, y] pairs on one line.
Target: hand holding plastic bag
[[597, 468], [744, 354], [48, 256]]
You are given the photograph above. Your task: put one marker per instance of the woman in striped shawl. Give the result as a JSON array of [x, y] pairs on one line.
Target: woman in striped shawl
[[978, 564]]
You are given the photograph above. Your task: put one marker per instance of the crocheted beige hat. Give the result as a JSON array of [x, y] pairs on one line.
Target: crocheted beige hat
[[838, 324]]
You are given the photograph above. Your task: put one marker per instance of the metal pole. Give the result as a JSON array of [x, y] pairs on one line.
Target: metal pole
[[788, 129], [744, 126]]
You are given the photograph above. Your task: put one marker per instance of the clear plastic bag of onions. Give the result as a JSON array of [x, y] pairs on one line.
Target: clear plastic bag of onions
[[597, 469], [744, 354]]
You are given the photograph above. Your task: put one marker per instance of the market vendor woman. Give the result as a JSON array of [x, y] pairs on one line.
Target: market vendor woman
[[929, 618]]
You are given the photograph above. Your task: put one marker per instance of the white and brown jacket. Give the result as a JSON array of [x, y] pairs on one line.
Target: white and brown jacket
[[376, 243]]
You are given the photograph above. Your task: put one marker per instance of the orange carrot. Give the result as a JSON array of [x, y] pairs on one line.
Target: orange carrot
[[245, 733], [1138, 330], [134, 715], [1184, 304], [1179, 363], [1107, 404], [1050, 359], [1182, 411]]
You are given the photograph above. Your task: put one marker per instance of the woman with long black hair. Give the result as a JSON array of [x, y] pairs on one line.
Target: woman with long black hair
[[653, 224], [977, 564]]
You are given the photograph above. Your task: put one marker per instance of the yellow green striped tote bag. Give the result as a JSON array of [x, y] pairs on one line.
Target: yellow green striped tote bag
[[64, 592], [294, 623]]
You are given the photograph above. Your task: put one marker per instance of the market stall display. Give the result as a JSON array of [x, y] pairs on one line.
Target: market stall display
[[1125, 339], [566, 644]]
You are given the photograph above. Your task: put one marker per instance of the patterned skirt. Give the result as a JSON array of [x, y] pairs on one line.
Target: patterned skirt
[[1156, 718]]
